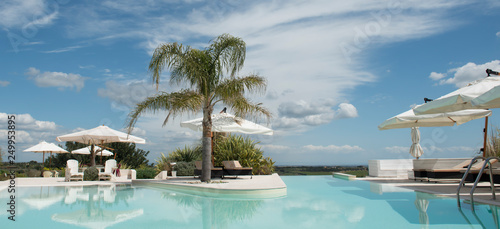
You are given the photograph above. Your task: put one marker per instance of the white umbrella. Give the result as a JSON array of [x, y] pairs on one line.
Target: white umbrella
[[224, 122], [462, 98], [86, 150], [45, 147], [100, 135], [415, 148], [477, 94], [409, 119]]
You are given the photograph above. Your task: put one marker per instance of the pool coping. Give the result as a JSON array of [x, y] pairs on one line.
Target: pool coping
[[263, 186]]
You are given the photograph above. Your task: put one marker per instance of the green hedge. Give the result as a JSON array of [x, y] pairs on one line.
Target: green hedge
[[185, 168], [146, 173]]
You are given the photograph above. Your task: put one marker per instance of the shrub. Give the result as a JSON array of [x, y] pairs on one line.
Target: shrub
[[33, 173], [163, 164], [245, 151], [188, 154], [62, 173], [184, 168], [91, 174], [146, 173]]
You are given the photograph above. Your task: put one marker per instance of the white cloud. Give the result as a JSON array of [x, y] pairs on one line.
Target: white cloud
[[28, 13], [276, 148], [296, 45], [346, 110], [436, 76], [334, 148], [300, 114], [66, 49], [60, 80], [4, 83], [21, 137], [136, 131], [467, 73], [127, 94], [397, 149], [27, 122], [498, 34]]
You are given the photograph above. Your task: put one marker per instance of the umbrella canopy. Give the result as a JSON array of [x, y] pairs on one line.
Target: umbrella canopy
[[100, 135], [86, 150], [477, 94], [409, 119], [480, 91], [415, 148], [224, 122], [45, 147]]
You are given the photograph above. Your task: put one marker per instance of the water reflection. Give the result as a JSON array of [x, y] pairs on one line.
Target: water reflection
[[44, 199], [216, 212], [434, 209], [97, 202]]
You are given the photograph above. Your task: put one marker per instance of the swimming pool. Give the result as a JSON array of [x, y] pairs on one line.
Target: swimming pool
[[311, 202]]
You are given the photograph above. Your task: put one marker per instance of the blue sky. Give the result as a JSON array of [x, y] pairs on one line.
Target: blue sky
[[335, 70]]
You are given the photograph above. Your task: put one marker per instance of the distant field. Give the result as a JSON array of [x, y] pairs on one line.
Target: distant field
[[359, 171]]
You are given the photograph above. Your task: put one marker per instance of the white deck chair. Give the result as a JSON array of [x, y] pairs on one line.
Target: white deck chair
[[108, 170], [72, 171]]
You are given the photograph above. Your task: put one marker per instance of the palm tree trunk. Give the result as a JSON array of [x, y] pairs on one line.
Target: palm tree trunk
[[207, 145], [92, 156]]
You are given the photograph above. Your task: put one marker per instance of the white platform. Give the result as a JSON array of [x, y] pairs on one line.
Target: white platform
[[390, 168]]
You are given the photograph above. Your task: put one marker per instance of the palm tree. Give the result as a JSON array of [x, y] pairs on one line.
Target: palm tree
[[211, 76]]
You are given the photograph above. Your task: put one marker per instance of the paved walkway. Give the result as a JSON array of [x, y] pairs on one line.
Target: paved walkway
[[448, 189]]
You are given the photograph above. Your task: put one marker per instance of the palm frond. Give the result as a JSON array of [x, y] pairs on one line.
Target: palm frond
[[239, 85], [242, 107], [175, 103], [166, 55], [228, 53]]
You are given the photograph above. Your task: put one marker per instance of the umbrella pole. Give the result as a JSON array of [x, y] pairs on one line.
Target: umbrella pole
[[50, 160], [485, 135], [43, 160]]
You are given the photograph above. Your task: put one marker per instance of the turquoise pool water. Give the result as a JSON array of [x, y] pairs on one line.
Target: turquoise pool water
[[311, 202]]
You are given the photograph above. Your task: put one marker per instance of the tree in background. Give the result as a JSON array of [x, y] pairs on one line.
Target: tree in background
[[126, 153], [210, 75]]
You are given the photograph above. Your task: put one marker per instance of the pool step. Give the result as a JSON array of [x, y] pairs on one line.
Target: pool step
[[344, 176]]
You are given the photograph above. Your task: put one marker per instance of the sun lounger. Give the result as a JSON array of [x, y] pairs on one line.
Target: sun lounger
[[72, 171], [108, 170], [215, 171], [452, 172], [474, 171], [233, 168], [438, 167]]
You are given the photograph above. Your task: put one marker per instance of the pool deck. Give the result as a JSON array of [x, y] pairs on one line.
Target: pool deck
[[443, 188]]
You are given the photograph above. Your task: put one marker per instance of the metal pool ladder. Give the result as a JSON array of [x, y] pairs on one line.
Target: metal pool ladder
[[462, 182]]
